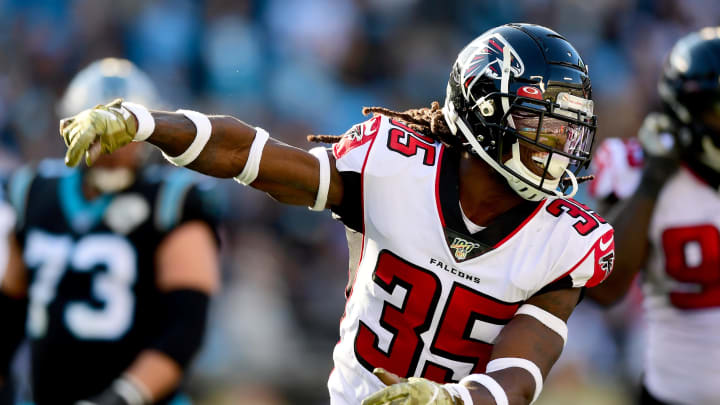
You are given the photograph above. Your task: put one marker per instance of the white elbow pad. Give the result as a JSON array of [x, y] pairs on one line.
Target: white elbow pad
[[556, 324], [252, 166]]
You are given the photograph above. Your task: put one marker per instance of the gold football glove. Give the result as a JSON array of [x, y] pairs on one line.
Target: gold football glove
[[104, 128], [413, 391]]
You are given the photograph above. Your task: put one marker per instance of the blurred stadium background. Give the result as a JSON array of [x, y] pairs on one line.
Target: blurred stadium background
[[308, 66]]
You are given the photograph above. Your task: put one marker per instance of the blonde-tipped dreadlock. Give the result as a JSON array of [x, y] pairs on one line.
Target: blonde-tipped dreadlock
[[427, 121]]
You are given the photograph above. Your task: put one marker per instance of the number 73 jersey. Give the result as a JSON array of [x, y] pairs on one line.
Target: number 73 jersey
[[93, 299], [427, 298]]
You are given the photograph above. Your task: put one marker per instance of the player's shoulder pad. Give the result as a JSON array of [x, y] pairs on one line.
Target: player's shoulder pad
[[181, 191], [585, 240], [350, 152]]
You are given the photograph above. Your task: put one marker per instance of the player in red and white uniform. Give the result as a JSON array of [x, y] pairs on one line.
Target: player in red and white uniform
[[670, 226], [430, 276], [471, 253]]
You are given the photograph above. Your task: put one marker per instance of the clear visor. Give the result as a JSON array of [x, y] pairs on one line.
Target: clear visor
[[573, 140]]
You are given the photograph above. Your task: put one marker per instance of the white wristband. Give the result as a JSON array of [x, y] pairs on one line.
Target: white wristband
[[459, 390], [324, 183], [145, 120], [496, 390], [252, 166], [546, 318], [203, 129], [132, 391], [508, 362]]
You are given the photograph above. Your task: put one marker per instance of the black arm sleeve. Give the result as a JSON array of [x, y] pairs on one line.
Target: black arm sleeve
[[204, 203], [561, 284], [350, 210], [184, 318], [14, 311]]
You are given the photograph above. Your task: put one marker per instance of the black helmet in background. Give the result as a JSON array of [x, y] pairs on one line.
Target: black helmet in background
[[690, 91]]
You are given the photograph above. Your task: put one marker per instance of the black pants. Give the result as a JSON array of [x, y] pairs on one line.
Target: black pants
[[646, 398]]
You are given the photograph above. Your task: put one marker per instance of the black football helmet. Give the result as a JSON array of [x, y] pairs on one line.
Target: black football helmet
[[690, 91], [524, 82]]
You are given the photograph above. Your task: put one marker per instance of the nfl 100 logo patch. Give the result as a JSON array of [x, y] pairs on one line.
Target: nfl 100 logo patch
[[462, 248]]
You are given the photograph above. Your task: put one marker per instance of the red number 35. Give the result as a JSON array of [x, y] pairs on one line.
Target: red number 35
[[452, 339]]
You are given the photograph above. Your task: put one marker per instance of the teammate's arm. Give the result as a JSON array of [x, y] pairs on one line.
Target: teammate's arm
[[631, 220], [523, 353], [288, 174]]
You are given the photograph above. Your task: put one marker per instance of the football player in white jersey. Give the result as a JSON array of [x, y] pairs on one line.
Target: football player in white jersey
[[670, 227], [471, 253]]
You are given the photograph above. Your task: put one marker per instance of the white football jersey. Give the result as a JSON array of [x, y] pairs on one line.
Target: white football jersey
[[682, 293], [427, 298]]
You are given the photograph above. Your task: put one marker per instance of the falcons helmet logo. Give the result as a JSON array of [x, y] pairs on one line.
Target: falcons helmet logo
[[485, 56]]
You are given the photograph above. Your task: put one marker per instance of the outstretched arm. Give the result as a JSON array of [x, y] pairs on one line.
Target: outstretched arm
[[289, 174]]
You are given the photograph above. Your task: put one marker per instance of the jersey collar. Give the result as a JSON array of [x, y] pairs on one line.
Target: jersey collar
[[81, 215], [463, 244]]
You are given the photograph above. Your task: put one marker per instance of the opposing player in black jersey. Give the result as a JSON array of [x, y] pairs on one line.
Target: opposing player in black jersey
[[118, 262]]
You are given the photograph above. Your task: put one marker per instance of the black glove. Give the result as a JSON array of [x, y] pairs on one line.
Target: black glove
[[122, 392]]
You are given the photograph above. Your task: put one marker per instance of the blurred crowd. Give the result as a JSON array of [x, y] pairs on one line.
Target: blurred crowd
[[297, 67]]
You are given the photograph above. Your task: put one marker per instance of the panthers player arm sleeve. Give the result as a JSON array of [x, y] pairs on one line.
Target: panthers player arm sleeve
[[288, 174], [525, 351], [187, 274], [631, 220]]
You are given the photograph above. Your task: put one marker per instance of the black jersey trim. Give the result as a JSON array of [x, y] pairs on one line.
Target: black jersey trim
[[18, 191], [350, 210], [170, 200], [499, 229], [703, 173]]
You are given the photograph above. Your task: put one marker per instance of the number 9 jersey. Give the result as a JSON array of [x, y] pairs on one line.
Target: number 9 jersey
[[682, 292], [93, 299], [427, 296]]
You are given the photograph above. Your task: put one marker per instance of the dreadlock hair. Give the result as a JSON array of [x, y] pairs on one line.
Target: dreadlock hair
[[428, 121]]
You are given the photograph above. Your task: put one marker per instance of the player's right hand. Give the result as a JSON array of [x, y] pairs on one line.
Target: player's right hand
[[411, 391], [104, 128]]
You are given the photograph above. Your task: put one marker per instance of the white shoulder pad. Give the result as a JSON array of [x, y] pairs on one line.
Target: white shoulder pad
[[589, 255], [567, 239], [350, 153]]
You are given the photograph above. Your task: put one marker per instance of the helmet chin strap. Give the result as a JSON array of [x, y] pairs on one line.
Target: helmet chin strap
[[556, 168]]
